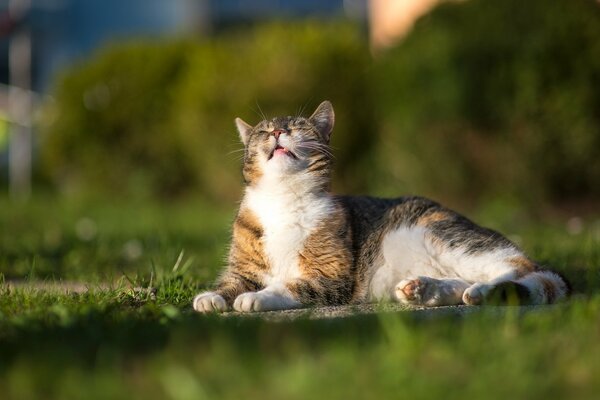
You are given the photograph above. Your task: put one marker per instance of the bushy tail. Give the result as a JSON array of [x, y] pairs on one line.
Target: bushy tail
[[538, 287], [545, 287]]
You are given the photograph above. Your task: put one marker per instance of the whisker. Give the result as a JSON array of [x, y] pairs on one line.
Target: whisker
[[306, 104], [255, 111], [317, 147], [235, 152], [262, 114], [301, 110], [315, 143]]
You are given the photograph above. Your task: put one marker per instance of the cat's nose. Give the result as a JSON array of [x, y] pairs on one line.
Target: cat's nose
[[277, 132]]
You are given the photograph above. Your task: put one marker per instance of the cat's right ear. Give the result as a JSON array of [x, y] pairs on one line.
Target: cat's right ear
[[244, 130]]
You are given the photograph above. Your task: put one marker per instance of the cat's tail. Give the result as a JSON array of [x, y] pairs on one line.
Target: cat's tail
[[540, 286], [544, 287]]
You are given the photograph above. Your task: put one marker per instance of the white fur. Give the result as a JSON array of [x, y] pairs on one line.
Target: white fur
[[268, 299], [536, 288], [209, 302], [476, 293], [289, 209], [405, 254], [411, 252], [431, 292]]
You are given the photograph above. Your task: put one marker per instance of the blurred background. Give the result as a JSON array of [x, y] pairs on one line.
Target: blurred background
[[480, 104], [120, 173]]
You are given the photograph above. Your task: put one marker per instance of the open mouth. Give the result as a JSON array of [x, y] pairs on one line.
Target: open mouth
[[282, 151]]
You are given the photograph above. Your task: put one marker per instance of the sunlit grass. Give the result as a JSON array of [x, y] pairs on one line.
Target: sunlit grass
[[121, 340]]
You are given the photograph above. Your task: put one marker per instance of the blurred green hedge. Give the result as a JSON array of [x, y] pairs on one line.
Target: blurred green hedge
[[157, 119], [483, 99], [496, 98]]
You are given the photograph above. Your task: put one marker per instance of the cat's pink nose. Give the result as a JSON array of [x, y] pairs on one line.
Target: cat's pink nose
[[277, 132]]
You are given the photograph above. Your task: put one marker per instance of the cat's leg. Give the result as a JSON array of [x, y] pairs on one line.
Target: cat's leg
[[460, 248], [483, 292], [538, 287], [522, 283], [431, 292], [504, 269], [296, 293]]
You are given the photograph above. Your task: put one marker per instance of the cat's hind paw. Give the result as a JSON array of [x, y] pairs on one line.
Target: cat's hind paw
[[209, 302], [430, 292], [410, 291], [503, 293], [476, 294], [421, 291]]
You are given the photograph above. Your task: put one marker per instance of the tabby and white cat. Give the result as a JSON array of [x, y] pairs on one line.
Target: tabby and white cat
[[295, 244]]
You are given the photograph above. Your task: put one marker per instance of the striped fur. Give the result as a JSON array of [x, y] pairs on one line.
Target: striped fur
[[294, 244]]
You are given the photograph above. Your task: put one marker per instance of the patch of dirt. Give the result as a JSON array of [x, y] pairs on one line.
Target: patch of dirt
[[371, 309], [55, 286]]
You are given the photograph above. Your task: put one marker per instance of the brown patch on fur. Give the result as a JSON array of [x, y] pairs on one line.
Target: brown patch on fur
[[433, 217], [251, 171], [326, 263], [549, 289], [246, 227], [523, 265], [247, 247], [247, 261]]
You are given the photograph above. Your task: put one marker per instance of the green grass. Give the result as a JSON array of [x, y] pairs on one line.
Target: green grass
[[124, 343]]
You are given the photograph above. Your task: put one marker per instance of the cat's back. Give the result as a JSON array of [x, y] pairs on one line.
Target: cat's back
[[371, 215]]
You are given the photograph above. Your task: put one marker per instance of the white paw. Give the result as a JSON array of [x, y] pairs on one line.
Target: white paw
[[419, 291], [476, 294], [209, 302], [430, 292], [263, 301], [409, 291]]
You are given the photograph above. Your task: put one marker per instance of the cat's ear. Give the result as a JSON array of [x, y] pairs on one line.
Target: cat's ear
[[244, 130], [323, 119]]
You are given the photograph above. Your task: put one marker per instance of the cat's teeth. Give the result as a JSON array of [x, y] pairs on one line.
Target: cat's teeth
[[283, 151]]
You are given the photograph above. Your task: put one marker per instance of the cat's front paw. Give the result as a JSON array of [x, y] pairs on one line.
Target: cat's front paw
[[476, 294], [209, 302], [252, 301], [263, 301]]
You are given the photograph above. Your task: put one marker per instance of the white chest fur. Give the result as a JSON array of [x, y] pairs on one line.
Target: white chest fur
[[288, 212]]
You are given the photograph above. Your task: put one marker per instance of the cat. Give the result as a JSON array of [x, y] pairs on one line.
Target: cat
[[294, 244]]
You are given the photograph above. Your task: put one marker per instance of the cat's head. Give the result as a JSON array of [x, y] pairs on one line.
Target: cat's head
[[288, 146]]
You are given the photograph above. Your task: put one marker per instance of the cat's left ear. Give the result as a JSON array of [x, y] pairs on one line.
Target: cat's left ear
[[244, 130], [323, 119]]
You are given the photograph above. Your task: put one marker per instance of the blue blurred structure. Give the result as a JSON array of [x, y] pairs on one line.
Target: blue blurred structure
[[63, 31]]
